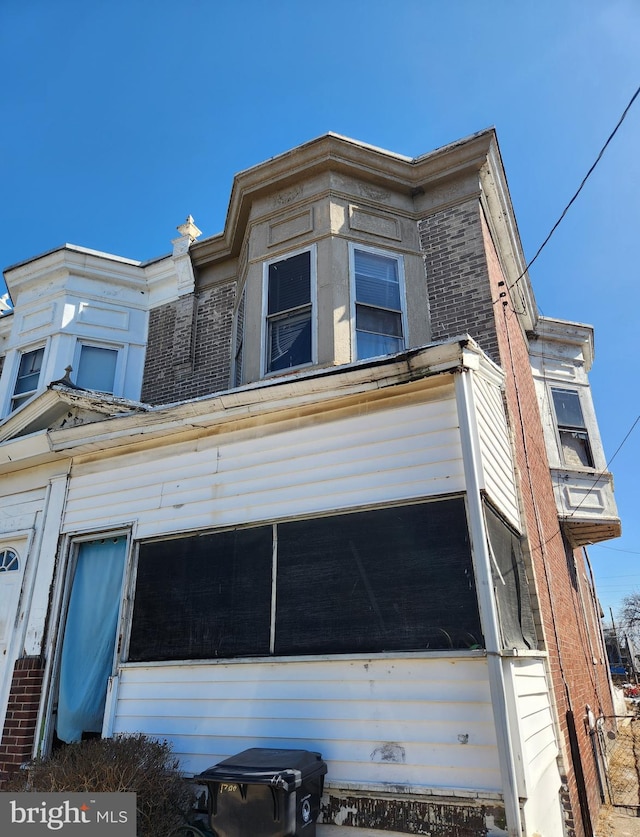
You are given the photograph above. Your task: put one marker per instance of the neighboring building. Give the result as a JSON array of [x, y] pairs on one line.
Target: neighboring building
[[623, 660], [323, 480]]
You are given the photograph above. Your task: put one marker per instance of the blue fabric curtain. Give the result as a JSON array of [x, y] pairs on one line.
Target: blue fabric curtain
[[89, 637]]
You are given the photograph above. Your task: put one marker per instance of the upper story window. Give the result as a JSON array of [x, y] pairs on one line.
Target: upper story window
[[289, 292], [378, 295], [28, 376], [574, 438], [96, 368]]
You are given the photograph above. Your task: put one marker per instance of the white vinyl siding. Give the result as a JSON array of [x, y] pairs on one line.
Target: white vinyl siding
[[534, 717], [397, 720], [538, 743], [495, 447], [377, 457]]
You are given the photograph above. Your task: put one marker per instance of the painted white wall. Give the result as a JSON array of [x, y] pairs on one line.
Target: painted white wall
[[413, 722]]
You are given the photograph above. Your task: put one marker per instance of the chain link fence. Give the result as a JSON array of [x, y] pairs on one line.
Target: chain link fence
[[619, 741]]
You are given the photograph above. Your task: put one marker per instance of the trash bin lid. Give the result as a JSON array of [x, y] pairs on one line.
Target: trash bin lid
[[286, 769]]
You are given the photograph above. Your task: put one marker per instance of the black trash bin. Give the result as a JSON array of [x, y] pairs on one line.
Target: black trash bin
[[265, 792]]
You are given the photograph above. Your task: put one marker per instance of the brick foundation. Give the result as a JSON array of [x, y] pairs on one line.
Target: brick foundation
[[18, 735]]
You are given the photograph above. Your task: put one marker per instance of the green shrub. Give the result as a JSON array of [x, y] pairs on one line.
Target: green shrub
[[132, 763]]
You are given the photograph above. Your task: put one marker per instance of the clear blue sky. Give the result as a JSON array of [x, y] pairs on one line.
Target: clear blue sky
[[120, 118]]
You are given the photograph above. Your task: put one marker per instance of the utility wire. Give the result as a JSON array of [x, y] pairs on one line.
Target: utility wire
[[584, 180]]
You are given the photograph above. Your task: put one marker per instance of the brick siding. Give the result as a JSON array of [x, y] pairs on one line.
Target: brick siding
[[19, 731], [457, 281], [189, 346], [576, 680]]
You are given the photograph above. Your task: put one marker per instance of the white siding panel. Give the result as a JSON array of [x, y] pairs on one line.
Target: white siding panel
[[495, 447], [535, 719], [18, 511], [433, 716], [412, 451]]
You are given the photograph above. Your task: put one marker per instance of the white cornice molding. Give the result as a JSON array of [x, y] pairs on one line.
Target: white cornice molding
[[332, 152], [550, 331]]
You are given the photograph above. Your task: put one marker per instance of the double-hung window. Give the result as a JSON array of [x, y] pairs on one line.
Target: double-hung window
[[574, 438], [378, 302], [28, 376], [289, 291], [96, 367]]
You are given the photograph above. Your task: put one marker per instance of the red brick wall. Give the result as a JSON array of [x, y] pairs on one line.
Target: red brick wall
[[567, 635], [189, 346], [18, 736]]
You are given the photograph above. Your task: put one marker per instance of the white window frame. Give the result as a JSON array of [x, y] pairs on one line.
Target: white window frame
[[388, 254], [559, 428], [239, 348], [25, 396], [118, 375], [264, 333]]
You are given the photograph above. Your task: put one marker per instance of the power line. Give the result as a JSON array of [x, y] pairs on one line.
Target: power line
[[607, 466], [614, 549], [584, 180]]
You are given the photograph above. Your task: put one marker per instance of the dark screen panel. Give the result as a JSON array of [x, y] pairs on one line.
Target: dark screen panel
[[389, 579], [203, 597], [510, 584]]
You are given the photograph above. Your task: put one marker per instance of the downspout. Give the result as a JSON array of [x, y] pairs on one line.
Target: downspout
[[486, 599]]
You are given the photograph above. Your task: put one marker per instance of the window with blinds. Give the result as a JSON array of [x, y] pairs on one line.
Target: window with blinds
[[379, 302], [289, 313]]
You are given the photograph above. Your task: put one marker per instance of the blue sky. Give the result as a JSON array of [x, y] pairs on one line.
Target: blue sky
[[120, 118]]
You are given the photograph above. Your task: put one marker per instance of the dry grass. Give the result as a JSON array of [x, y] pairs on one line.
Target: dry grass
[[624, 765]]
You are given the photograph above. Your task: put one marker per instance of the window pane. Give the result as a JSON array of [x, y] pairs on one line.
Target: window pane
[[378, 321], [29, 371], [97, 368], [510, 584], [376, 345], [8, 560], [568, 410], [289, 342], [289, 283], [203, 597], [576, 450], [377, 280], [390, 579]]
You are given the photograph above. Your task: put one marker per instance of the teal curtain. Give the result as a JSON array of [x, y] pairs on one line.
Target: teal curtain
[[89, 637]]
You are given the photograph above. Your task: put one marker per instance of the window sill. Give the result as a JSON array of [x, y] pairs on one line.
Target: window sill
[[322, 658]]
